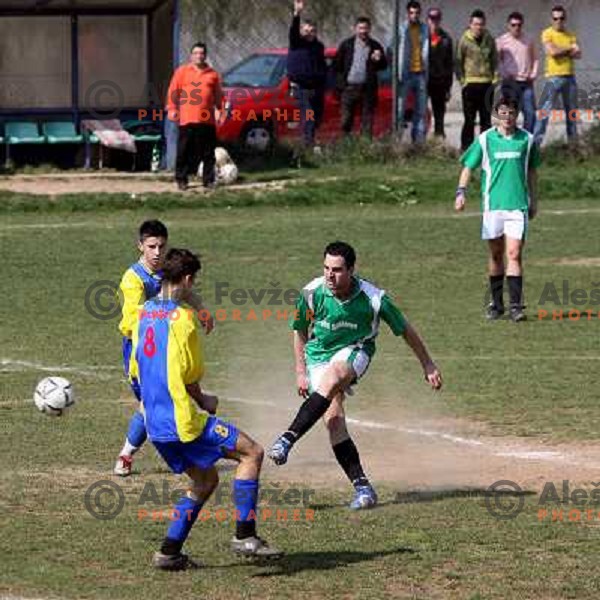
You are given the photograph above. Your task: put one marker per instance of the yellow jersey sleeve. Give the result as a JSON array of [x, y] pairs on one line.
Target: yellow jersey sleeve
[[186, 332], [132, 288], [134, 371], [185, 365]]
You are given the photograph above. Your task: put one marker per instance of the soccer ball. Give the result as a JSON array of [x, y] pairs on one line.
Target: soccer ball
[[227, 174], [226, 170], [53, 395]]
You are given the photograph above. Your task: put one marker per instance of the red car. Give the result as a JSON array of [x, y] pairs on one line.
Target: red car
[[262, 109]]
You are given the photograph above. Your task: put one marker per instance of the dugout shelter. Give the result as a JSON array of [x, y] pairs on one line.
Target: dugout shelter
[[65, 61]]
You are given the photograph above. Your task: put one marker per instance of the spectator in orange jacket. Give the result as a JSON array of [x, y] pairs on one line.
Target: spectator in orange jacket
[[194, 95]]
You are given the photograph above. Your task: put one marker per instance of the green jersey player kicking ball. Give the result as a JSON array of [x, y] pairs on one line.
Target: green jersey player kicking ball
[[335, 326], [508, 158]]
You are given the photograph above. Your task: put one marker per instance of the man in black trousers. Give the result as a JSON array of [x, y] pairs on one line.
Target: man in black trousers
[[441, 67], [358, 61], [194, 94], [307, 71]]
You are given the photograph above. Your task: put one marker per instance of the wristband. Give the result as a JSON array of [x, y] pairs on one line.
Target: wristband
[[461, 191]]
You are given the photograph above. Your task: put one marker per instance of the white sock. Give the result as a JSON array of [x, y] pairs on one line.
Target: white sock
[[128, 449]]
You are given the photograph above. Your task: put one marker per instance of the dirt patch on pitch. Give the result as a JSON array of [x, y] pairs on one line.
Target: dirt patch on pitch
[[571, 262], [428, 455], [136, 185], [139, 184], [56, 186]]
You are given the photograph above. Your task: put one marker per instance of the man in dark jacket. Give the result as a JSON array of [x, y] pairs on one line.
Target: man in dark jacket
[[441, 67], [307, 72], [358, 61]]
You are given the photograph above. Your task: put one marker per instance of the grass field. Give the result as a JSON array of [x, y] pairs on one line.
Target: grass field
[[534, 380]]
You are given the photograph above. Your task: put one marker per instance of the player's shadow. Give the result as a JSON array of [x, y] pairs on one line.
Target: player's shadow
[[418, 496], [297, 562]]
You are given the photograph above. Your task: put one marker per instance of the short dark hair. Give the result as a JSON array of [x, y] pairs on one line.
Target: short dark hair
[[477, 14], [516, 15], [179, 263], [413, 4], [508, 102], [153, 229], [310, 22], [342, 249], [559, 8], [363, 20], [201, 45]]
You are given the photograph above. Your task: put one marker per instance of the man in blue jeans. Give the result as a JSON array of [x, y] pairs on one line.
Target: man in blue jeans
[[518, 66], [561, 52], [413, 68]]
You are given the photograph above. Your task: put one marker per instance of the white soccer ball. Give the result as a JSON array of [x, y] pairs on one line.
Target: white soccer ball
[[53, 395], [227, 174]]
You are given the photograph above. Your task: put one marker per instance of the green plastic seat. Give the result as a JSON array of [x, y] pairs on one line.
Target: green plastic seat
[[23, 132], [143, 131], [61, 132], [147, 138]]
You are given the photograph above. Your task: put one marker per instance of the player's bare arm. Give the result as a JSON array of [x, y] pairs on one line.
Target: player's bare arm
[[432, 373], [461, 191], [207, 402], [300, 339]]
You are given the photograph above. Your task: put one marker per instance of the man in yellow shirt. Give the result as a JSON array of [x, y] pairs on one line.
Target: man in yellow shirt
[[561, 50]]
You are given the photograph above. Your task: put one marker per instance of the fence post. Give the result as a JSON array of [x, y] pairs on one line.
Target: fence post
[[170, 127], [394, 58]]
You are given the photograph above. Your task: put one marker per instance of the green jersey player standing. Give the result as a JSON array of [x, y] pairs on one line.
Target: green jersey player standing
[[508, 157], [335, 326]]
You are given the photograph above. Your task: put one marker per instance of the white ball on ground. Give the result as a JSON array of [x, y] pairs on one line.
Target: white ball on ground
[[54, 395], [226, 170], [227, 174]]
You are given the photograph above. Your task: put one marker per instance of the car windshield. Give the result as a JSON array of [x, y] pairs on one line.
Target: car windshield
[[258, 70]]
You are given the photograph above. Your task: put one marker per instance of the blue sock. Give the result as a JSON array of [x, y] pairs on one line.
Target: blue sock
[[136, 434], [187, 513], [245, 495]]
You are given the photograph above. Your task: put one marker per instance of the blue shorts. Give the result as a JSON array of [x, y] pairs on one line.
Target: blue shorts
[[218, 438], [134, 383]]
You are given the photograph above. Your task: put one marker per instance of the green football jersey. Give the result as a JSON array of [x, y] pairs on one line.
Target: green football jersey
[[504, 162], [334, 324]]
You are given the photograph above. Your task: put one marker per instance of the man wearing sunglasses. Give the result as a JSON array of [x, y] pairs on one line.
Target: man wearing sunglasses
[[561, 52], [518, 66]]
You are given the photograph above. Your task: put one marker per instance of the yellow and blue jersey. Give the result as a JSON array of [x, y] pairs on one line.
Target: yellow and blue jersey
[[167, 355], [137, 286]]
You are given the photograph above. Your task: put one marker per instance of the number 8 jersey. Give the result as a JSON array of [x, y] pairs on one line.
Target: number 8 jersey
[[167, 355]]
